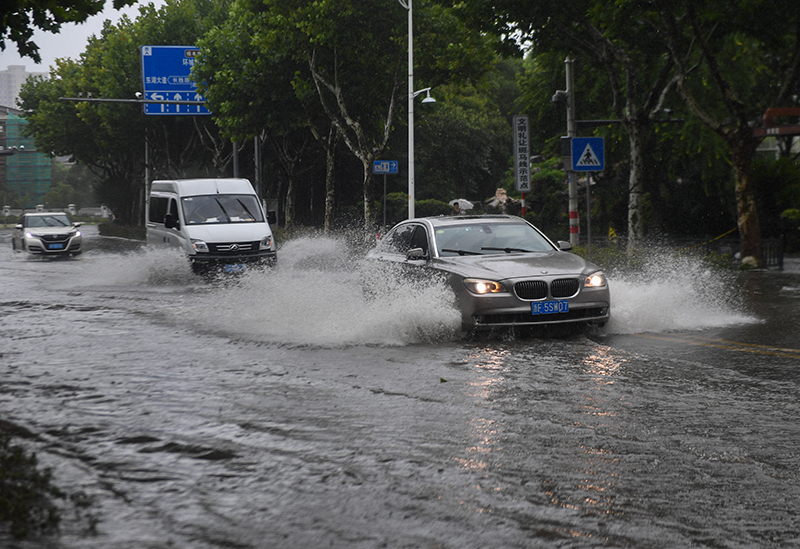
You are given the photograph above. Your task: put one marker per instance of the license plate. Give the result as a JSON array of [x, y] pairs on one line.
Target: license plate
[[234, 268], [550, 307], [55, 246]]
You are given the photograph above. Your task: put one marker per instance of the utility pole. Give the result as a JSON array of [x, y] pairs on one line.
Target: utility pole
[[574, 222]]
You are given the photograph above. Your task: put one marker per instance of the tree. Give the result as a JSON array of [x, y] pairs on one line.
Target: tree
[[109, 138], [21, 17], [610, 37], [731, 39], [353, 61]]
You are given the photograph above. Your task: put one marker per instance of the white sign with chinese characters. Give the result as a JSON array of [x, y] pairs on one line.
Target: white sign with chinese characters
[[522, 158]]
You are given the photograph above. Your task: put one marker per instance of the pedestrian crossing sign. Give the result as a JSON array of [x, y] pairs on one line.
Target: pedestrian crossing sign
[[588, 154]]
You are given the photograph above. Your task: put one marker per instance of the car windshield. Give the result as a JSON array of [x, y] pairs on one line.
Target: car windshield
[[221, 208], [484, 237], [55, 220]]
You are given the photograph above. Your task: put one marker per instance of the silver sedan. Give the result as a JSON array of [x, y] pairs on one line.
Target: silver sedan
[[502, 269]]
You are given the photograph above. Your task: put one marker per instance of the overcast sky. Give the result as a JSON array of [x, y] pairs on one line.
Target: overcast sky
[[70, 42]]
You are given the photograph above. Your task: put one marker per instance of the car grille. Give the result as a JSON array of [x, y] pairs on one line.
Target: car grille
[[531, 289], [234, 248], [564, 287], [54, 237], [537, 289]]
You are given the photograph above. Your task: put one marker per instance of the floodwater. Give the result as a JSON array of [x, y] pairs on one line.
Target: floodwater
[[284, 410]]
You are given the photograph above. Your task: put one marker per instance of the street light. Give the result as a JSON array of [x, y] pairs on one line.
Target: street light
[[411, 95]]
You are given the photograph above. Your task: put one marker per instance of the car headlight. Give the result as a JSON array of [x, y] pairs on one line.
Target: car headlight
[[199, 245], [481, 287], [266, 243], [28, 235], [595, 280]]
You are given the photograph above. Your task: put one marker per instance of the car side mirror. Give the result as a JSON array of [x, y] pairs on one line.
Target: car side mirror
[[76, 225], [564, 246], [171, 223], [272, 217], [416, 254], [18, 226]]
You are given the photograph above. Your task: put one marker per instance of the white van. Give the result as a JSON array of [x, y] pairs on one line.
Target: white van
[[219, 223]]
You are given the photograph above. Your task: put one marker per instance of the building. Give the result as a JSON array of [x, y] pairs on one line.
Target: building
[[25, 174], [11, 81]]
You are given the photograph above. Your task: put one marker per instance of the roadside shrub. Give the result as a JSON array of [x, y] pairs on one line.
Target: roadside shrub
[[25, 492], [122, 231]]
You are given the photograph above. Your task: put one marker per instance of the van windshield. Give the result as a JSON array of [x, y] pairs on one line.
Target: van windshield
[[221, 208]]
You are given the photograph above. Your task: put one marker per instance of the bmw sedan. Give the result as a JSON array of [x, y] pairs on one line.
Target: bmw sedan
[[503, 270], [47, 234]]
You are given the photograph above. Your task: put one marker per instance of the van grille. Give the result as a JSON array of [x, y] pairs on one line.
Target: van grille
[[237, 248]]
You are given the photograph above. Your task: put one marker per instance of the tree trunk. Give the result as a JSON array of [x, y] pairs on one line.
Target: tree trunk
[[369, 195], [330, 188], [635, 187], [747, 215]]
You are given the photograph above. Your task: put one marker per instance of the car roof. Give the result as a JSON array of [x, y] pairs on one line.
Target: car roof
[[450, 220]]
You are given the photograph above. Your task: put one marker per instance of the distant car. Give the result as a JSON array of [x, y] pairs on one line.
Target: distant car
[[47, 234], [502, 269]]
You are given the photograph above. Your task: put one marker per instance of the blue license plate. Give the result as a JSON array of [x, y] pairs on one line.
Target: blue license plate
[[55, 246], [550, 307], [234, 268]]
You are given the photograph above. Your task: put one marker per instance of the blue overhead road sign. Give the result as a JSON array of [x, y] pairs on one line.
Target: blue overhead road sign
[[588, 154], [165, 77]]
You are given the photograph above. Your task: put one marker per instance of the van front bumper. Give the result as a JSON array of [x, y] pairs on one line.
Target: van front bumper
[[213, 261]]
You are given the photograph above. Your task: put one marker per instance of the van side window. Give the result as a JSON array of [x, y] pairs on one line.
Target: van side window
[[158, 209]]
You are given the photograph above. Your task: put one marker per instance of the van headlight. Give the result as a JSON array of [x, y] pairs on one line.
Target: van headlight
[[266, 243], [199, 246]]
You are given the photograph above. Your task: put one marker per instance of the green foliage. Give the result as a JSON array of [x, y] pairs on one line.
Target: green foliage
[[791, 226], [26, 492], [122, 231], [20, 18], [545, 204], [432, 207], [464, 145], [777, 183]]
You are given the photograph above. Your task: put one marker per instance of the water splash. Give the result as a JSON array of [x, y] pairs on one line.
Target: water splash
[[675, 292], [315, 297]]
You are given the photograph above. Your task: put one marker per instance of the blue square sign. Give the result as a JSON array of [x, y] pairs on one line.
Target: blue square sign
[[588, 154], [165, 77]]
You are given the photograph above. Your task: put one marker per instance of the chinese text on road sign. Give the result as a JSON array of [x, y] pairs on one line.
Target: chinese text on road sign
[[165, 77], [522, 161], [588, 154]]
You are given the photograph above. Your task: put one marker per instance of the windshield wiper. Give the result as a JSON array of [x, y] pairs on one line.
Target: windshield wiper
[[507, 250], [246, 209], [221, 207], [461, 252]]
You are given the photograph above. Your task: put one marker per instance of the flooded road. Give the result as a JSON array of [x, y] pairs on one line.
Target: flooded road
[[283, 410]]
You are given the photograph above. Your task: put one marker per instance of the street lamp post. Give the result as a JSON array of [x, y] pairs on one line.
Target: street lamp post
[[411, 95], [408, 6]]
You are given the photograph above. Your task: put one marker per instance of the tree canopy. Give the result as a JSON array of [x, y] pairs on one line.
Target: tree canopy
[[317, 91], [20, 18]]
